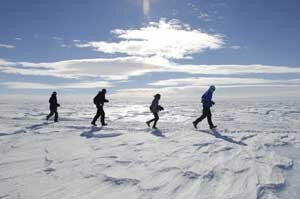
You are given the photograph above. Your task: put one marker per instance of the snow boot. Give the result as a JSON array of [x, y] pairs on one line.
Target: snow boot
[[195, 125], [213, 127]]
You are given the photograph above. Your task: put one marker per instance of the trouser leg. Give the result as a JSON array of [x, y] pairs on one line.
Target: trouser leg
[[210, 123], [156, 118], [97, 115], [50, 114], [56, 116], [102, 113], [204, 115]]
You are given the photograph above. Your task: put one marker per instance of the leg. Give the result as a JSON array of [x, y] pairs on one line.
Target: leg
[[150, 121], [211, 125], [204, 115], [56, 116], [50, 115], [96, 116], [156, 118], [102, 113]]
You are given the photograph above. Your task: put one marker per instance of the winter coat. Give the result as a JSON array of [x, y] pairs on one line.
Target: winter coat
[[53, 103], [207, 99], [100, 99], [155, 106]]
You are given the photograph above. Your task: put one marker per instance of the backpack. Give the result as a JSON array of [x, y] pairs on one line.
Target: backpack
[[203, 99], [96, 99]]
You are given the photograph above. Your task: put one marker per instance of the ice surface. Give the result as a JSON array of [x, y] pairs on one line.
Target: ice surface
[[71, 159]]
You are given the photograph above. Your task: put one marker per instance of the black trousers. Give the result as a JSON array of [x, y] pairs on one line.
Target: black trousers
[[206, 113], [100, 112], [155, 119], [53, 112]]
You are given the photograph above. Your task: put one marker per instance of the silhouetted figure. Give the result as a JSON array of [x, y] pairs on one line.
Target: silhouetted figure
[[99, 101], [53, 107], [155, 108], [207, 103]]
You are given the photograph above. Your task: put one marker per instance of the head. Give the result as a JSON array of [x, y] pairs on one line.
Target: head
[[212, 88], [54, 93], [157, 96], [103, 91]]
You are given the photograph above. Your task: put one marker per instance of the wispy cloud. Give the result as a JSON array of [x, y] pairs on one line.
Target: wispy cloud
[[57, 38], [235, 47], [125, 67], [169, 39], [204, 17], [18, 38], [41, 86], [206, 81], [224, 91], [7, 46], [234, 69], [112, 69]]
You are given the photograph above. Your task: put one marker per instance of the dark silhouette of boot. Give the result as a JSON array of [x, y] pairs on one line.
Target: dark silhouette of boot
[[195, 124], [213, 127]]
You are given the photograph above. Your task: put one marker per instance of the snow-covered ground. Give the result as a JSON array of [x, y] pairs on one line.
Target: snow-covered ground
[[71, 159]]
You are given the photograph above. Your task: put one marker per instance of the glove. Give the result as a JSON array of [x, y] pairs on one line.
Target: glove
[[58, 105]]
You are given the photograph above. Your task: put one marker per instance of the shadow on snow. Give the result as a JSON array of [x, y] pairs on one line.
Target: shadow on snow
[[215, 133], [90, 133], [157, 133]]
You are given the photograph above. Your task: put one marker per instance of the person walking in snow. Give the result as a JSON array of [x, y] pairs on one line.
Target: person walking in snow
[[99, 101], [207, 103], [155, 108], [53, 107]]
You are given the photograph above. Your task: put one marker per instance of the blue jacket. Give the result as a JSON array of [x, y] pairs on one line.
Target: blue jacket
[[207, 99]]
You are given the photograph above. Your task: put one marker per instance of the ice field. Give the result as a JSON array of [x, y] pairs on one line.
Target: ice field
[[126, 159]]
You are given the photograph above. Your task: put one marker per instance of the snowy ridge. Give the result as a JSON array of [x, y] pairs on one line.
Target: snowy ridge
[[71, 159]]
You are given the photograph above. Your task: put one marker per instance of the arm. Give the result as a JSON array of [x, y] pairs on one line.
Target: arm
[[209, 99]]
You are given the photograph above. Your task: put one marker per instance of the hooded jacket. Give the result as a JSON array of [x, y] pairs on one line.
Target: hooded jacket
[[100, 99], [207, 99], [154, 105], [53, 102]]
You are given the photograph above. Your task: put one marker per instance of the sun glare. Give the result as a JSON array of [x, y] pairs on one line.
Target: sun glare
[[146, 7]]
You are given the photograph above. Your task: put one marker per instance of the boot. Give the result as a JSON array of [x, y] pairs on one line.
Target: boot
[[213, 127], [195, 124]]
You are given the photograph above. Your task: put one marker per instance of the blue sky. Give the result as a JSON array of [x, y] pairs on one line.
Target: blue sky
[[81, 46]]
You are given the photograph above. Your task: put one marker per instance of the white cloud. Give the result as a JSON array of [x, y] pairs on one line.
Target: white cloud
[[236, 47], [7, 46], [204, 16], [111, 69], [65, 46], [169, 39], [125, 67], [233, 69], [57, 38], [18, 38], [206, 81], [31, 85]]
